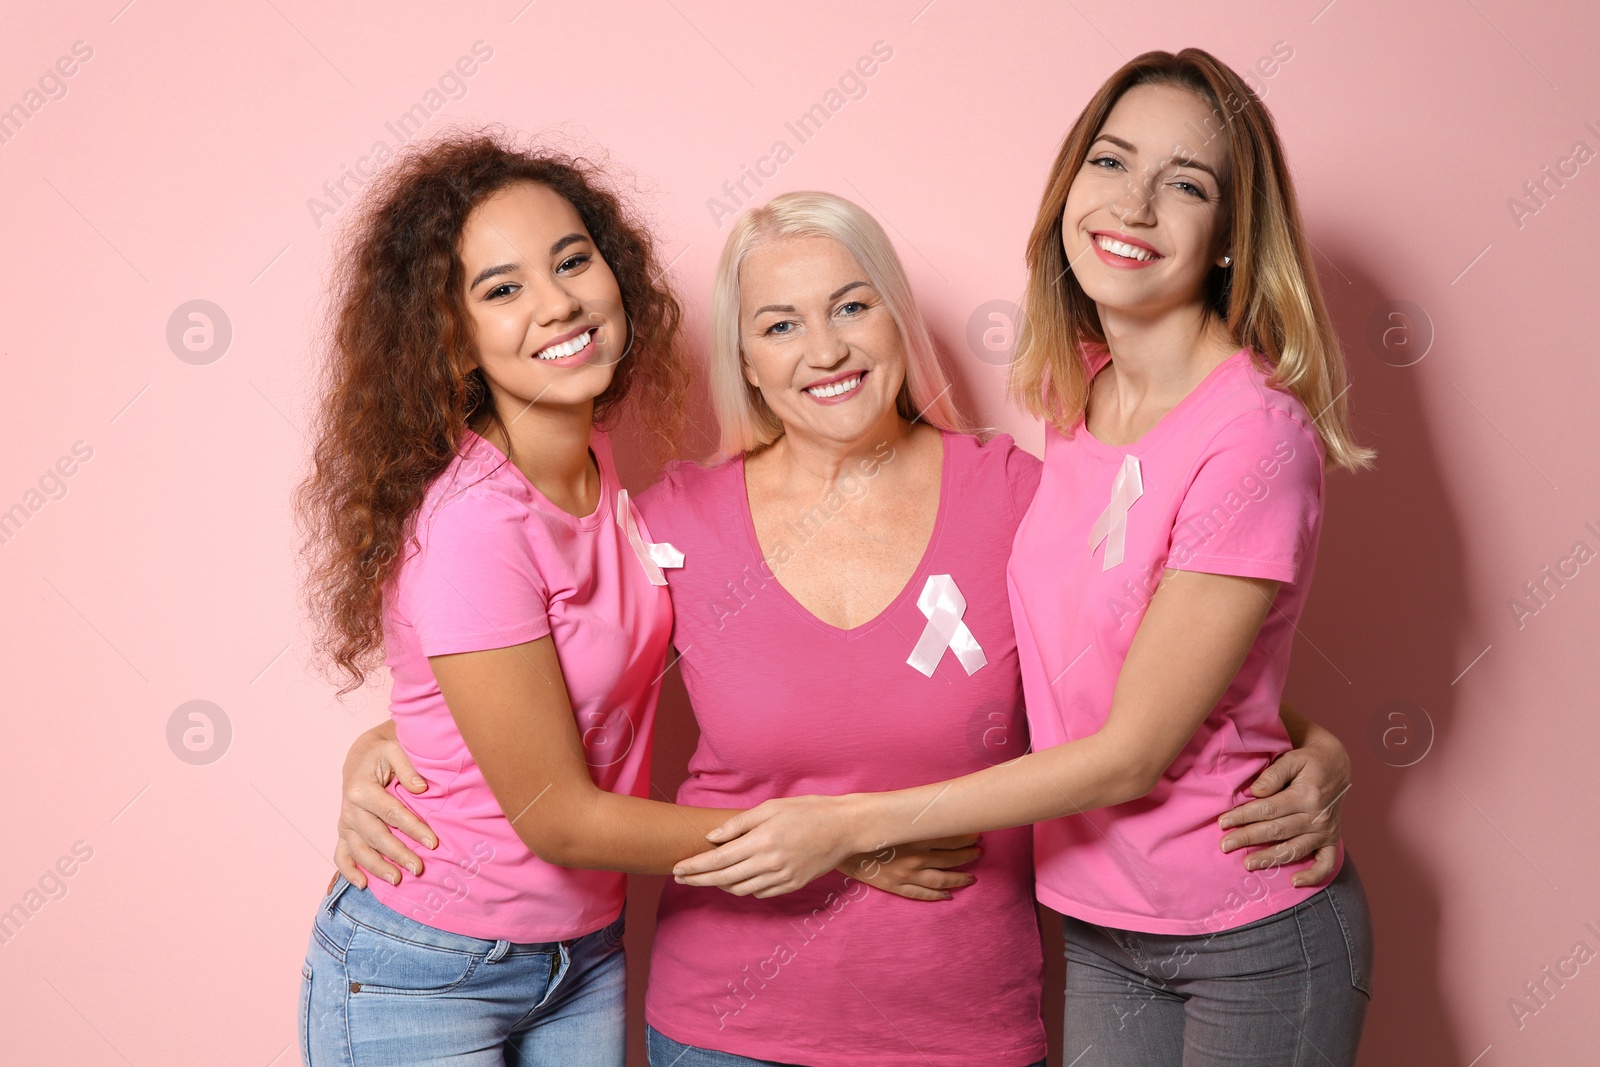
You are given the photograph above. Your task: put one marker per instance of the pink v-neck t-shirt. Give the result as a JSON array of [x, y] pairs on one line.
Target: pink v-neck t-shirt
[[494, 564], [839, 974], [1232, 485]]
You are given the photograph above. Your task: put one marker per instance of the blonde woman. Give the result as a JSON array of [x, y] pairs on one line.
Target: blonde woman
[[1179, 350], [851, 490]]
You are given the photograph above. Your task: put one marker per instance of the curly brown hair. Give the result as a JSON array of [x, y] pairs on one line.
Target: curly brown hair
[[395, 404]]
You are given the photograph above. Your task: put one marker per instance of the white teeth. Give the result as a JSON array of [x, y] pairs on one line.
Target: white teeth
[[822, 392], [567, 348], [1127, 251]]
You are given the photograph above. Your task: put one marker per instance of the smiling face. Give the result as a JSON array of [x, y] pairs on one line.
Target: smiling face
[[818, 339], [1145, 220], [546, 311]]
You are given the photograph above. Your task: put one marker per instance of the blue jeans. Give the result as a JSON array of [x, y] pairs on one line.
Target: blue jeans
[[380, 988], [1290, 990], [665, 1052]]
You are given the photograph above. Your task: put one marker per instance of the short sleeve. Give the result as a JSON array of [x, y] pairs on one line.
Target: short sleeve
[[1254, 504], [473, 583], [1023, 471]]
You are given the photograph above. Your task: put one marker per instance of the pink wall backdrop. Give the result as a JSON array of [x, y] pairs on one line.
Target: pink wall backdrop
[[171, 173]]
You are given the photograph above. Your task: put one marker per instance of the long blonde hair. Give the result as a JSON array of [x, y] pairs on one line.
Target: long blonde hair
[[1269, 298], [746, 421]]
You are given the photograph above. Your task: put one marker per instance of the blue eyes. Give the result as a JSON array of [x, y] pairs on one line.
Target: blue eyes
[[783, 326]]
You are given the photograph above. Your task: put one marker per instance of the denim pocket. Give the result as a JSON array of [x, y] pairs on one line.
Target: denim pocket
[[305, 1011], [1349, 903], [613, 933], [379, 963]]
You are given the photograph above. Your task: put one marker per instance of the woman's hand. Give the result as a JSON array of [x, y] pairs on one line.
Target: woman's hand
[[775, 847], [1297, 809], [368, 810], [921, 870]]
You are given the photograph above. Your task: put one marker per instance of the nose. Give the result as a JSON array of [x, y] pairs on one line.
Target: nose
[[1133, 204], [552, 302], [826, 348]]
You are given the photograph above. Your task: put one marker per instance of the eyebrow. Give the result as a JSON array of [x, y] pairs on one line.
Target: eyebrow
[[508, 268], [1178, 161], [836, 294]]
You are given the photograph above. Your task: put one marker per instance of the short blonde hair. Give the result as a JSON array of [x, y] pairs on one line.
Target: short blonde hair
[[1270, 299], [745, 419]]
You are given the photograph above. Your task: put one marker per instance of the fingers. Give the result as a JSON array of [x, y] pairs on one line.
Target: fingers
[[363, 855], [736, 826], [916, 892], [945, 880], [723, 866], [375, 835], [1251, 811], [347, 867], [961, 841], [1279, 773], [1321, 870], [403, 769], [406, 821], [944, 859]]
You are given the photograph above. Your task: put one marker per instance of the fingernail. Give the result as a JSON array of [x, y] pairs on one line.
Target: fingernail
[[394, 879], [1225, 823], [414, 868], [1228, 845], [432, 842], [678, 878]]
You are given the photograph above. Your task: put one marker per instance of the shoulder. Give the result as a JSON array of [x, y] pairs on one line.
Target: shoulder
[[995, 465], [480, 488], [1244, 396], [688, 490]]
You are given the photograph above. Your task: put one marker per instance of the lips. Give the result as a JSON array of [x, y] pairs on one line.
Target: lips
[[836, 386], [567, 346], [1122, 251]]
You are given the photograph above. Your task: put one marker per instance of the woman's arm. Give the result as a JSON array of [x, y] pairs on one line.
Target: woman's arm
[[511, 707], [920, 871], [1192, 640]]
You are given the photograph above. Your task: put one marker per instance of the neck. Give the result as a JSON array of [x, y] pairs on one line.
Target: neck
[[1156, 355], [812, 463], [548, 443]]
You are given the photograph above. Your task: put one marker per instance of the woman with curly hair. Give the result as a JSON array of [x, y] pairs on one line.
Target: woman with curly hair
[[493, 308]]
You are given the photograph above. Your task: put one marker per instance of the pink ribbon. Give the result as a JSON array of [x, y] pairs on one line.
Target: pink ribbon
[[942, 604], [1112, 525], [652, 554]]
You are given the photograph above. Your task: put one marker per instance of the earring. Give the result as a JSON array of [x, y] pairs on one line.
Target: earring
[[1227, 261]]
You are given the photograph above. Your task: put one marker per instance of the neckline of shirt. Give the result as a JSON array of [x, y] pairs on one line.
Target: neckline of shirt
[[602, 508], [1151, 436], [914, 584]]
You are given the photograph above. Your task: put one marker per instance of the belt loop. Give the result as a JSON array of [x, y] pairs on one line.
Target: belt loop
[[340, 884], [497, 953]]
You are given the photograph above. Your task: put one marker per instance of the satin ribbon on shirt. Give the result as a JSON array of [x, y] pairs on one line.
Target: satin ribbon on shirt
[[652, 554], [942, 604], [1112, 525]]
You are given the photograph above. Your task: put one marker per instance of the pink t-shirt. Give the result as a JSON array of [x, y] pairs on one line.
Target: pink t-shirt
[[495, 564], [840, 973], [1232, 484]]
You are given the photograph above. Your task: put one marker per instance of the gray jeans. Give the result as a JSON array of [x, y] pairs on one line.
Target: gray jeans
[[1290, 990]]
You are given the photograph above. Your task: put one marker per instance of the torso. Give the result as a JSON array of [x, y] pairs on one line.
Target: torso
[[791, 702]]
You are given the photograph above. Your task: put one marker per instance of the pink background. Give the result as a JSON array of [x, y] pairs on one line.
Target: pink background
[[178, 166]]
